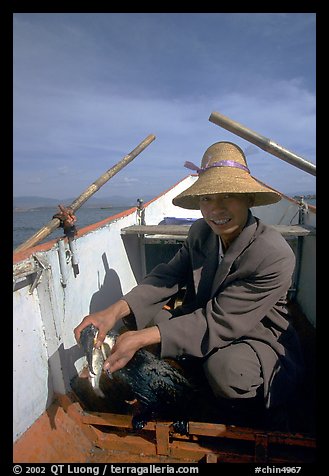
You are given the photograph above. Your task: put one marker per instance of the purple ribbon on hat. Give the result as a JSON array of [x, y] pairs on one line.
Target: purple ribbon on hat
[[221, 163]]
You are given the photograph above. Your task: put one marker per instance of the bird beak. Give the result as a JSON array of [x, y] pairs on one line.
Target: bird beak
[[87, 343]]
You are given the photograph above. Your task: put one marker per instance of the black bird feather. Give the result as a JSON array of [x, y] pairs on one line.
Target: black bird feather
[[161, 389]]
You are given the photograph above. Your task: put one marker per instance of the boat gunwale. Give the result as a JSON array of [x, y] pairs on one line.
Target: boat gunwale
[[21, 255]]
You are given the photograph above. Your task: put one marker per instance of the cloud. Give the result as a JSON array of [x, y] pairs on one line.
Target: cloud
[[97, 132], [86, 94]]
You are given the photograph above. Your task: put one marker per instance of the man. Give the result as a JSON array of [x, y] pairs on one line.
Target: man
[[236, 271]]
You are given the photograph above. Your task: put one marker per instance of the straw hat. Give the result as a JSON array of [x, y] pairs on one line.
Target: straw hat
[[224, 170]]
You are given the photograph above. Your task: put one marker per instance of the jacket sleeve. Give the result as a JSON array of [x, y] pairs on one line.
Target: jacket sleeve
[[235, 311]]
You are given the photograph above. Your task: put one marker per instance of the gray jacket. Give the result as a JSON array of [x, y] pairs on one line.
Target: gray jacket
[[241, 299]]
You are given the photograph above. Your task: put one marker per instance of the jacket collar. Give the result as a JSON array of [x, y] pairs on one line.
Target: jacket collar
[[205, 264], [240, 243]]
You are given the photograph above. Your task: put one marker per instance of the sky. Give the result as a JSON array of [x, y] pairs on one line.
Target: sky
[[89, 87]]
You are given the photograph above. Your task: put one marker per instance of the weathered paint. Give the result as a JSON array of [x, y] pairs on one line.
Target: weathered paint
[[30, 362]]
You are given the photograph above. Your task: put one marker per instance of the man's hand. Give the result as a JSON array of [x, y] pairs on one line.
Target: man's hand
[[103, 320], [127, 344]]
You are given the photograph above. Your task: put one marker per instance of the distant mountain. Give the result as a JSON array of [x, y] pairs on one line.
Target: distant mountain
[[34, 202], [28, 202], [303, 193]]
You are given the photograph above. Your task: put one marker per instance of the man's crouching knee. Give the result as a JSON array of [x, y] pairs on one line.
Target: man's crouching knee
[[234, 372]]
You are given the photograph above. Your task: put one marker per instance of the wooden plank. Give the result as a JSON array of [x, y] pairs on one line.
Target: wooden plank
[[182, 230], [120, 441], [189, 450], [156, 230], [294, 230], [261, 448], [202, 429], [207, 429], [160, 444], [162, 438], [112, 419]]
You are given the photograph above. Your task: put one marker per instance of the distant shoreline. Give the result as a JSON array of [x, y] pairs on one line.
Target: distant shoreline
[[306, 197], [22, 208], [53, 207]]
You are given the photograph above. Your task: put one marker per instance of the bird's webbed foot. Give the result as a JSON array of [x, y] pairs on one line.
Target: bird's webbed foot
[[141, 418], [138, 422], [181, 427]]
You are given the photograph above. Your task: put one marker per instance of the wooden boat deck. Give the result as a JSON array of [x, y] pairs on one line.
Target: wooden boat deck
[[79, 427], [68, 433]]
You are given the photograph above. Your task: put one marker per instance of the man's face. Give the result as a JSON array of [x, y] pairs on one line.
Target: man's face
[[226, 214]]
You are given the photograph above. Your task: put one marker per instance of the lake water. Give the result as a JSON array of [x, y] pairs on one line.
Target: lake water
[[27, 223]]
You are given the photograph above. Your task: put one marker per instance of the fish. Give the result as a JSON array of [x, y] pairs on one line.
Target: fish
[[161, 390], [96, 357], [98, 360]]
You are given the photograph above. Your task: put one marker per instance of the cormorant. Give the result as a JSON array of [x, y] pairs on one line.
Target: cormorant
[[160, 389]]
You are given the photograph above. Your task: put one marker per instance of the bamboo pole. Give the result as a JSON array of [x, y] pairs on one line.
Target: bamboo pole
[[263, 142], [76, 204]]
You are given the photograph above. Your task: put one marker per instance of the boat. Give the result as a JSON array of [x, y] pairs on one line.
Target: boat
[[56, 420]]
